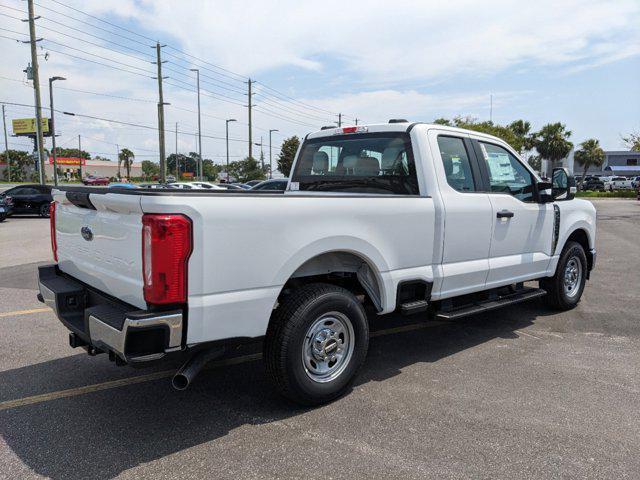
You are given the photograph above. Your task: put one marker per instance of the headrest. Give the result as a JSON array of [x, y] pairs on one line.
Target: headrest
[[390, 157], [367, 166], [320, 162], [350, 161]]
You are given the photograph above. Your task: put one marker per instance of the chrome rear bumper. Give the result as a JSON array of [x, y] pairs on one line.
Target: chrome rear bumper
[[104, 324]]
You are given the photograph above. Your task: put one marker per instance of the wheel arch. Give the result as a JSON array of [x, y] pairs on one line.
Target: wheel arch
[[356, 258]]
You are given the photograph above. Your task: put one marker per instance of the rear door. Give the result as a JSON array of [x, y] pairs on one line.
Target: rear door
[[99, 238], [522, 229], [467, 214]]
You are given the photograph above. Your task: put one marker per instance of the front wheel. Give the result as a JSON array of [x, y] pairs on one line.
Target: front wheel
[[565, 288], [44, 210], [316, 342]]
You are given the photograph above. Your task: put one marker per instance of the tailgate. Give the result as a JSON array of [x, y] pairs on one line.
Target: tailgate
[[100, 242]]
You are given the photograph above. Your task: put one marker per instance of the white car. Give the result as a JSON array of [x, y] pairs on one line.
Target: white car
[[408, 217], [207, 185], [185, 185], [618, 183]]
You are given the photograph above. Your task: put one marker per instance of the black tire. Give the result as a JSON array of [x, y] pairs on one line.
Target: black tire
[[301, 311], [44, 210], [557, 295], [2, 217]]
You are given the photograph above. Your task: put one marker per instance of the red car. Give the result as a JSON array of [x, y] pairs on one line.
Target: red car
[[92, 180]]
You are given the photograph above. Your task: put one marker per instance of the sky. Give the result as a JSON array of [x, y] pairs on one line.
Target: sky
[[573, 61]]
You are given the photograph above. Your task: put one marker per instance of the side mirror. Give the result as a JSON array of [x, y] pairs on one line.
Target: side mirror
[[563, 185]]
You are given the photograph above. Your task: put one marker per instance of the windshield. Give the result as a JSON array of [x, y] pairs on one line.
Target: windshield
[[378, 163]]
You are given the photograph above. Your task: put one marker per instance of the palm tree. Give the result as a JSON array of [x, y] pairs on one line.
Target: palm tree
[[552, 142], [590, 154], [126, 156], [522, 130]]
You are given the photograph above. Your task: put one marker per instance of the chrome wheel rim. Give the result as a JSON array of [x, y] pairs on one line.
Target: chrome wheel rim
[[328, 347], [572, 276]]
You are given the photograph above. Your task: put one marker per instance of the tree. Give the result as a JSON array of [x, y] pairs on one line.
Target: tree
[[287, 154], [632, 141], [246, 170], [552, 142], [184, 165], [150, 169], [73, 153], [210, 169], [522, 130], [19, 161], [126, 156], [536, 162], [589, 155], [442, 121]]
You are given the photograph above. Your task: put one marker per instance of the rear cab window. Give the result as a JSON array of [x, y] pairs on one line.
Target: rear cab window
[[370, 163]]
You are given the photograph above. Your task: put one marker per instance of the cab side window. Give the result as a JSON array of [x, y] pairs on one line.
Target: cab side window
[[506, 173], [456, 163]]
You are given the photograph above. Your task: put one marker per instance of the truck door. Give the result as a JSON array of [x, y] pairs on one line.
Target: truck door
[[467, 214], [522, 229]]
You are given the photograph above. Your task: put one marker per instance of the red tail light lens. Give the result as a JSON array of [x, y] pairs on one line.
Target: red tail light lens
[[52, 226], [166, 247]]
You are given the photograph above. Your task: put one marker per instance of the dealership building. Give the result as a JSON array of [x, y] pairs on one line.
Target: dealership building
[[623, 163], [97, 168]]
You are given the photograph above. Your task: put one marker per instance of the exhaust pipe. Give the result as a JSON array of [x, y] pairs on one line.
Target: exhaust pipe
[[183, 377]]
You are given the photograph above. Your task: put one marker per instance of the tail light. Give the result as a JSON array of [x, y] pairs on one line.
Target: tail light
[[166, 247], [52, 226], [354, 129]]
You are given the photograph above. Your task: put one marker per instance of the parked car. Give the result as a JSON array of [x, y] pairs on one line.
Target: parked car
[[231, 186], [276, 184], [635, 182], [32, 198], [95, 181], [152, 185], [244, 186], [592, 183], [184, 186], [251, 183], [122, 185], [6, 206], [407, 218], [618, 183], [207, 185]]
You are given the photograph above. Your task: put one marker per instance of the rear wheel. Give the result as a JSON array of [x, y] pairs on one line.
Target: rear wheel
[[566, 286], [44, 210], [3, 216], [316, 342]]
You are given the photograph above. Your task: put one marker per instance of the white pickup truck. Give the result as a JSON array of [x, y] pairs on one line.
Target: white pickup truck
[[409, 217]]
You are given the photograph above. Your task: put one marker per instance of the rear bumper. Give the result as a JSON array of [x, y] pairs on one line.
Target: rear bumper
[[103, 324]]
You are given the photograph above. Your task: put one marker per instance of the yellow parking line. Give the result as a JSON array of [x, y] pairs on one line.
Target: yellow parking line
[[74, 392], [24, 312]]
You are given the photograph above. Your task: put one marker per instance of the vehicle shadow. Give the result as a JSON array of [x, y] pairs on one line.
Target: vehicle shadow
[[101, 434]]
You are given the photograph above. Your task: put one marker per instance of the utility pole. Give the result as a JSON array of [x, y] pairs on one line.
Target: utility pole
[[357, 120], [491, 108], [270, 153], [227, 138], [118, 159], [36, 88], [339, 119], [261, 154], [177, 160], [161, 104], [80, 157], [6, 145], [250, 95], [199, 124], [53, 130]]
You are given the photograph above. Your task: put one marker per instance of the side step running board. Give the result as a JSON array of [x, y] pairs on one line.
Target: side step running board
[[415, 306], [521, 295]]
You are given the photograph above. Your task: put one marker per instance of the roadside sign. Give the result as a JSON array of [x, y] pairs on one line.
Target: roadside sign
[[27, 126]]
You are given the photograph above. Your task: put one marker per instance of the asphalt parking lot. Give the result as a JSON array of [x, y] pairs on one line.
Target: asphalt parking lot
[[520, 393]]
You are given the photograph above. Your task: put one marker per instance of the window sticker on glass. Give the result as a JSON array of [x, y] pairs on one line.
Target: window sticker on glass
[[294, 186], [500, 167]]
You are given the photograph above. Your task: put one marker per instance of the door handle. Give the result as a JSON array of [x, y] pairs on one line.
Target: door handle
[[504, 214]]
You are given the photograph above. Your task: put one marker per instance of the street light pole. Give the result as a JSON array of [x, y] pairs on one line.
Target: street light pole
[[270, 160], [53, 129], [199, 124], [80, 157], [6, 145], [227, 138]]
